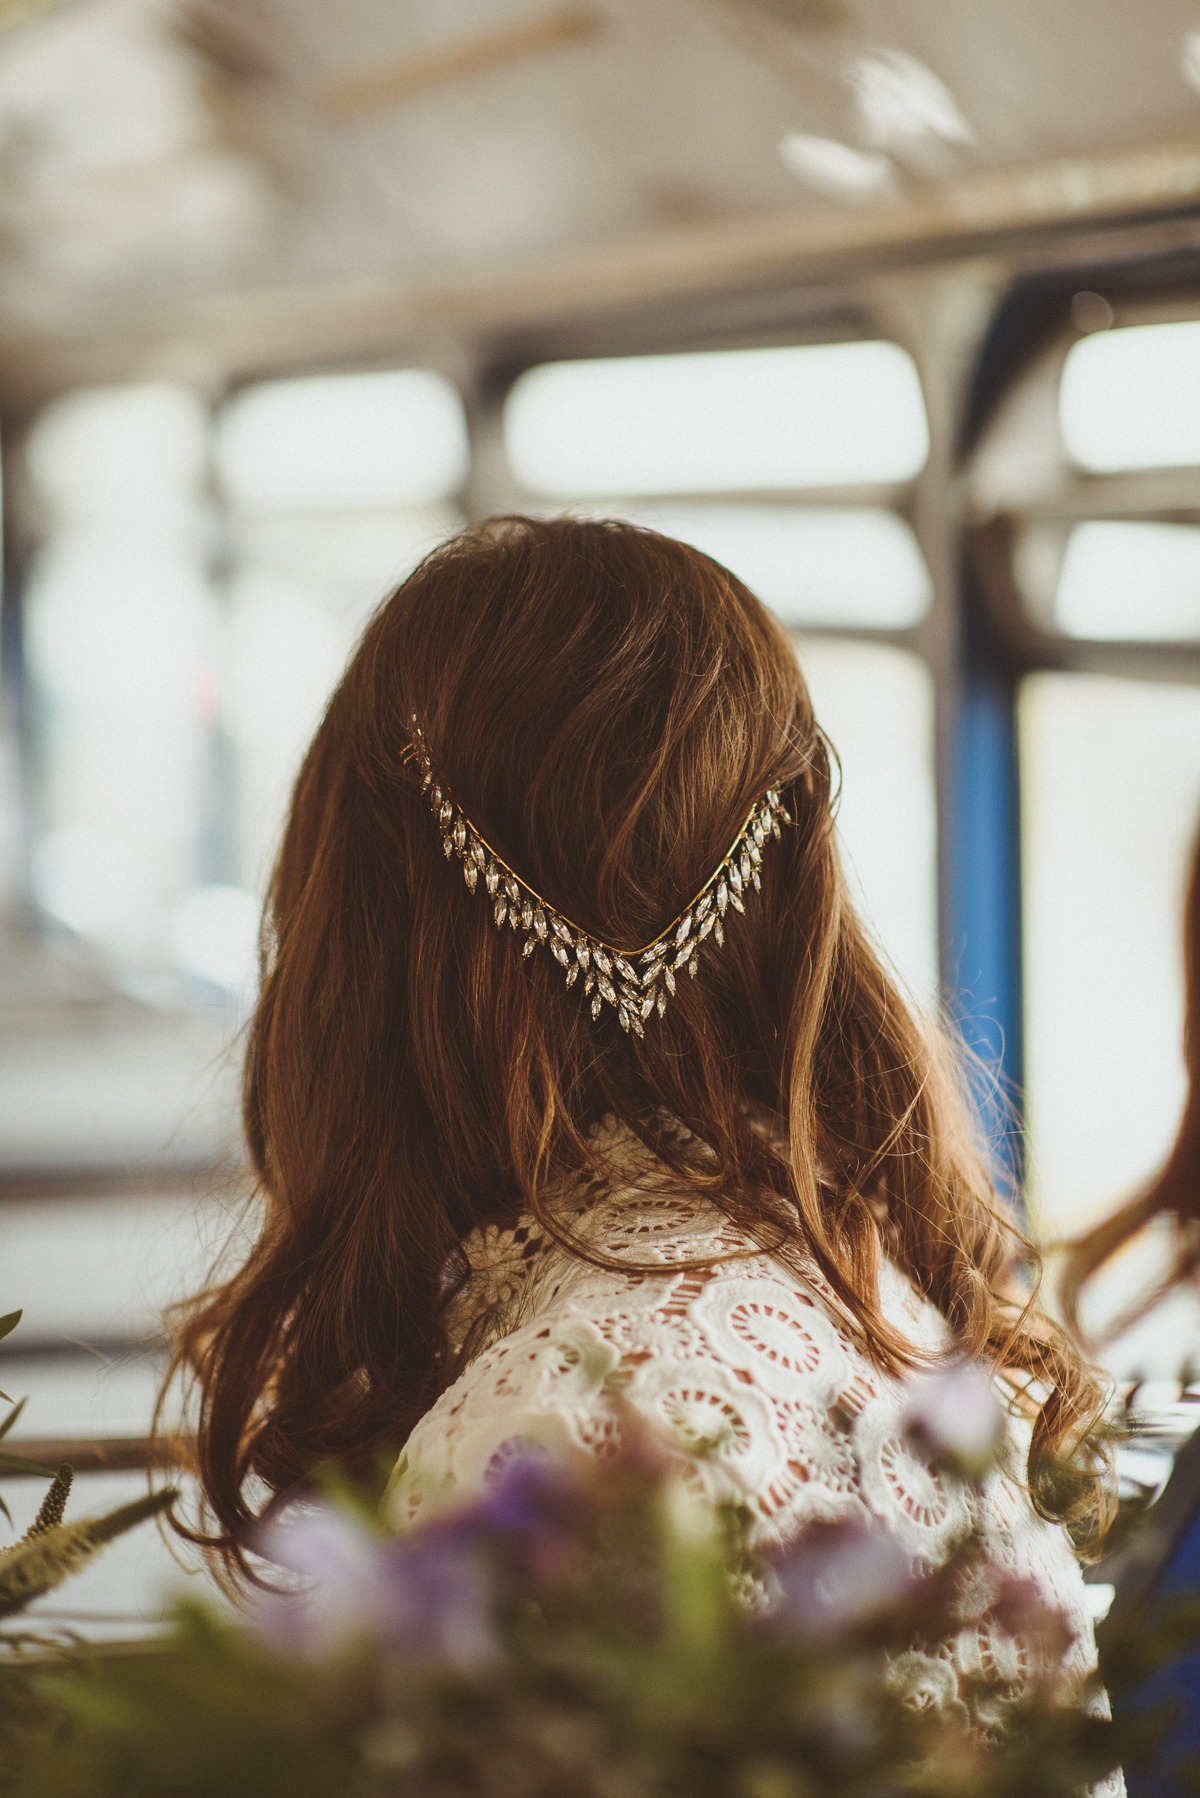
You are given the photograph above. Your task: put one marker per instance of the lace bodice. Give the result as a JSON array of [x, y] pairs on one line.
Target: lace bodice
[[742, 1371]]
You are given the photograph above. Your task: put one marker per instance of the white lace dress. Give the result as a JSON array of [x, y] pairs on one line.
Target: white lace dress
[[742, 1372]]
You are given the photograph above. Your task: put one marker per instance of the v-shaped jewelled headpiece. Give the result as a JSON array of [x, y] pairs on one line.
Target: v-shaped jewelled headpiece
[[633, 983]]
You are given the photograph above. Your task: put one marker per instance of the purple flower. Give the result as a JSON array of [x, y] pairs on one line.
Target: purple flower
[[430, 1595], [434, 1601], [530, 1520], [955, 1416], [334, 1561], [535, 1512], [837, 1577], [1022, 1611]]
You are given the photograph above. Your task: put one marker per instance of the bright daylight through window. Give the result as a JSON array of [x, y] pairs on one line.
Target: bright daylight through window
[[1130, 398], [816, 415], [181, 648], [1130, 580]]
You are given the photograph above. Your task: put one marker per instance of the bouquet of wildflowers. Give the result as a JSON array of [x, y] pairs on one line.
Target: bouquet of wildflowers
[[587, 1635]]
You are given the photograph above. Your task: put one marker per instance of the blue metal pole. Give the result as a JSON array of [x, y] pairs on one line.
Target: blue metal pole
[[983, 980]]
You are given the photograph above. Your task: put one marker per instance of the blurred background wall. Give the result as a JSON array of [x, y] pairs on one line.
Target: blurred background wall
[[892, 305]]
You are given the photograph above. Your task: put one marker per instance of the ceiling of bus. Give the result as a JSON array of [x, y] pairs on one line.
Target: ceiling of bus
[[171, 170]]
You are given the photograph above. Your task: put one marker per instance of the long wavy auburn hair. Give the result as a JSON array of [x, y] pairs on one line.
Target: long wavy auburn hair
[[606, 704], [1174, 1193]]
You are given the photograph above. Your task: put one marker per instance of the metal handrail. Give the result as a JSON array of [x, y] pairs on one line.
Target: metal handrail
[[29, 1458]]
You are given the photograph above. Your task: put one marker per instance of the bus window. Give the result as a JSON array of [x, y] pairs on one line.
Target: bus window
[[121, 623], [1110, 796], [1130, 398], [828, 566], [1084, 517], [809, 415], [336, 486], [193, 599]]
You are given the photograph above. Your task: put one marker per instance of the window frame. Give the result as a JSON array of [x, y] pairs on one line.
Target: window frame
[[1003, 642]]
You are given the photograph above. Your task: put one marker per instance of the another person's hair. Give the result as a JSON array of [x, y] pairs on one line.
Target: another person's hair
[[606, 704], [1174, 1193]]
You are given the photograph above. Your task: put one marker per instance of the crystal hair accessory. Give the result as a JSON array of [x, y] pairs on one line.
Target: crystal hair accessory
[[636, 982]]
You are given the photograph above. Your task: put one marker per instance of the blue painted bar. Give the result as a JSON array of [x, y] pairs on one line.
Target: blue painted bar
[[983, 936]]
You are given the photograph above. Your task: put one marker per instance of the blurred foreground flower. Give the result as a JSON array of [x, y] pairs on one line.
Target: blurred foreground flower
[[429, 1597], [954, 1415], [838, 1577], [582, 1636]]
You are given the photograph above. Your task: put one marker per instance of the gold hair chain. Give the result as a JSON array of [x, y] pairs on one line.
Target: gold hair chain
[[636, 983]]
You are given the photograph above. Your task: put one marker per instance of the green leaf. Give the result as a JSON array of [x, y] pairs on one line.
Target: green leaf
[[12, 1417], [9, 1323]]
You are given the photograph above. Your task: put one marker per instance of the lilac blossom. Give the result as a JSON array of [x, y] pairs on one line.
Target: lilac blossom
[[837, 1577], [430, 1595], [427, 1596], [953, 1413], [533, 1512], [333, 1560]]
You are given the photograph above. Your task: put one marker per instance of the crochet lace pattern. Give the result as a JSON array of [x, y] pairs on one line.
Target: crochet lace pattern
[[744, 1373]]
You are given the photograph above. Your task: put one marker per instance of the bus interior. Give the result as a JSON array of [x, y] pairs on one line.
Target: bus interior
[[892, 306]]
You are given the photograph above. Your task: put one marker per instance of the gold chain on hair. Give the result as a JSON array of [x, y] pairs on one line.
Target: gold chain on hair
[[633, 983]]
